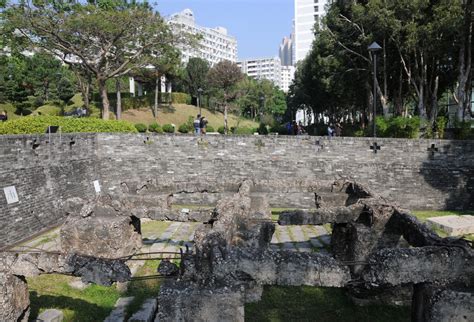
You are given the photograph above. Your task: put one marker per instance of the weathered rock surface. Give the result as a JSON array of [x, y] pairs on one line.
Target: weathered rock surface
[[321, 216], [282, 268], [180, 301], [90, 269], [439, 304], [166, 268], [14, 298], [431, 264], [104, 232]]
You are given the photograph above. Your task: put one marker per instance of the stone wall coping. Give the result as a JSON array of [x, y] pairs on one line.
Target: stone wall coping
[[236, 137]]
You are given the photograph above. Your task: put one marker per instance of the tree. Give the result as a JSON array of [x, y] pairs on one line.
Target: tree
[[105, 38], [195, 77], [224, 76]]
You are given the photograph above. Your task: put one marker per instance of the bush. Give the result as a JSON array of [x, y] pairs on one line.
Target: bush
[[155, 127], [168, 128], [262, 129], [142, 128], [397, 127], [184, 128], [244, 131], [221, 130], [279, 128], [38, 124], [209, 128], [440, 126], [50, 110], [180, 98], [463, 131]]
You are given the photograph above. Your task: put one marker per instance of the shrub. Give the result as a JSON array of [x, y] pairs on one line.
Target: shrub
[[50, 110], [209, 128], [38, 124], [397, 127], [184, 128], [180, 98], [142, 128], [244, 131], [440, 126], [262, 129], [155, 127], [279, 128], [168, 128], [221, 130], [463, 131]]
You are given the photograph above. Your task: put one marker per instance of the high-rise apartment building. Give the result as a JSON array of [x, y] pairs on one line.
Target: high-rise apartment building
[[216, 45], [263, 68], [287, 77], [307, 14], [285, 51]]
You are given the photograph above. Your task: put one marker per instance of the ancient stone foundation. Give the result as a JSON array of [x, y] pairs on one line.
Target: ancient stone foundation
[[372, 259]]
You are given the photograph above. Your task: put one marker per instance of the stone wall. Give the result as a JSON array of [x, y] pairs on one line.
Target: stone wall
[[402, 170], [202, 170], [44, 173]]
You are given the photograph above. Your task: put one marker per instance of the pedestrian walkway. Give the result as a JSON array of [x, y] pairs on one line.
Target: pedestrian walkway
[[301, 238]]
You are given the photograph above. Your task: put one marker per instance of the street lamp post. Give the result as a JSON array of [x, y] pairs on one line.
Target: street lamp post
[[373, 49], [200, 90]]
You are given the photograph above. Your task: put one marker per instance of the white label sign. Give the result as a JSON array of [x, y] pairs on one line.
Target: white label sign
[[97, 186], [10, 194]]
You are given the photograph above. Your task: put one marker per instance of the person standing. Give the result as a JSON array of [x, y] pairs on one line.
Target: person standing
[[197, 124], [330, 130], [3, 116], [203, 125]]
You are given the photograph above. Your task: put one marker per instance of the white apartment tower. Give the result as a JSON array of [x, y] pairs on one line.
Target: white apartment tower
[[216, 45], [287, 77], [307, 14], [263, 68]]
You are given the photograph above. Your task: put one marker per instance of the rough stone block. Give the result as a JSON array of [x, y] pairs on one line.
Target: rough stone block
[[454, 225], [118, 314], [146, 313], [51, 315], [100, 236], [14, 298]]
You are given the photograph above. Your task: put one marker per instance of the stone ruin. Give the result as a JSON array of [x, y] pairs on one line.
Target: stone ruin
[[380, 254]]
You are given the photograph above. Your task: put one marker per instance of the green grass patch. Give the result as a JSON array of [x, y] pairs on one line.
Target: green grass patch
[[423, 215], [142, 290], [53, 292], [306, 303], [154, 228]]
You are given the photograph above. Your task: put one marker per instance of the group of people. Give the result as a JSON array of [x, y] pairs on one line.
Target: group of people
[[3, 116], [200, 124], [334, 130], [294, 128]]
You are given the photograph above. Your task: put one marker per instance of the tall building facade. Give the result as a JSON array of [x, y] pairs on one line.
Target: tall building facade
[[285, 52], [287, 77], [307, 14], [263, 68], [215, 45]]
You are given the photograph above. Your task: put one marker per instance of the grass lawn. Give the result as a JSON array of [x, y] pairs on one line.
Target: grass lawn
[[423, 215], [53, 291], [306, 303], [179, 113]]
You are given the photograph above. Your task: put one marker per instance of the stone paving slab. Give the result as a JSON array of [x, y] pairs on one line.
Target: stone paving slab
[[453, 225], [146, 313], [118, 313]]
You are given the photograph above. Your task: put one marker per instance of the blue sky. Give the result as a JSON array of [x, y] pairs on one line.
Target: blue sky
[[258, 25]]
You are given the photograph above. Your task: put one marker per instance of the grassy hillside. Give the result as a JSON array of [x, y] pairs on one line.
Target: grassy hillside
[[179, 114]]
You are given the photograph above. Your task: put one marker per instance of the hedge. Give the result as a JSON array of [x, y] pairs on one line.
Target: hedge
[[39, 124]]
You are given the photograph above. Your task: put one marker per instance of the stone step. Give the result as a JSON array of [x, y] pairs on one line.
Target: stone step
[[51, 315], [146, 313], [118, 313]]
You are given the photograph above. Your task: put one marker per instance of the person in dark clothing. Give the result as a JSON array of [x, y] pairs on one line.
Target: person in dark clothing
[[203, 125], [3, 116]]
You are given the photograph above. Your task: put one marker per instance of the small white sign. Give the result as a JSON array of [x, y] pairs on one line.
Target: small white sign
[[97, 186], [10, 194]]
